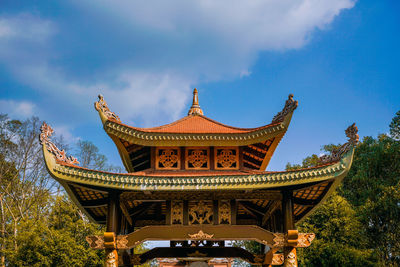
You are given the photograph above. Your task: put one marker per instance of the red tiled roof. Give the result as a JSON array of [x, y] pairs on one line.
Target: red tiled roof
[[198, 124]]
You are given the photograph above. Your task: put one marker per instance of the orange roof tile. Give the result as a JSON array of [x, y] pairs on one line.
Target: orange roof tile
[[198, 124]]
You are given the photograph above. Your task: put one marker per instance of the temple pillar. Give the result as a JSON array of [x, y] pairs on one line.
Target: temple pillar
[[289, 252], [112, 228]]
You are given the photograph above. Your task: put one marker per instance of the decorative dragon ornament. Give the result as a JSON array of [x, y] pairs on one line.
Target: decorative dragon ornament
[[45, 132], [336, 155], [101, 105], [290, 106]]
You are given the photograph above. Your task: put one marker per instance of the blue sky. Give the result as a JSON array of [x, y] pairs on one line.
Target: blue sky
[[339, 58]]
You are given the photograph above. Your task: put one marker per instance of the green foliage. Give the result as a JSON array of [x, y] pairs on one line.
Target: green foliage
[[395, 127], [359, 225], [339, 240], [59, 240]]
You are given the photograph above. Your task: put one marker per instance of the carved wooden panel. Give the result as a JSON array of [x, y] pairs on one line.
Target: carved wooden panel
[[177, 212], [197, 158], [226, 158], [224, 212], [168, 158], [200, 212]]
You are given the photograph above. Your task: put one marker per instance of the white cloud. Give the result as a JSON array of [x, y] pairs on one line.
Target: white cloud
[[17, 109], [171, 46], [65, 132], [27, 27]]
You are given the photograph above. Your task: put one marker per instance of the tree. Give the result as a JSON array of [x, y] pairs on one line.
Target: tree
[[395, 127], [339, 240]]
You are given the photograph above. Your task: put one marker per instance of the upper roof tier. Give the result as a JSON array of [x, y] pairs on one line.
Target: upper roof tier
[[195, 129]]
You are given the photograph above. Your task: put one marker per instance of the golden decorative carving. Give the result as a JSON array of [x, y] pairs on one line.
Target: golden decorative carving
[[290, 106], [200, 236], [224, 212], [197, 158], [279, 240], [200, 214], [305, 239], [103, 107], [277, 259], [122, 242], [226, 158], [336, 155], [135, 259], [95, 241], [177, 212], [168, 158], [45, 132], [291, 259], [112, 259]]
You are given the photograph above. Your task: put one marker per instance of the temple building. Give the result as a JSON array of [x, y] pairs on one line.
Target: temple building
[[198, 183]]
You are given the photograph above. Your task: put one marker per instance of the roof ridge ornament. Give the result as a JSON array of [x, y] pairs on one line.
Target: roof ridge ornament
[[45, 132], [101, 105], [290, 106], [336, 155], [195, 108]]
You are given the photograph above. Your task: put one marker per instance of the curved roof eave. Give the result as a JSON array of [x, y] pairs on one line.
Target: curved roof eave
[[130, 181]]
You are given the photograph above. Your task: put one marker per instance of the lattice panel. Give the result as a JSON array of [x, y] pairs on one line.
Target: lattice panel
[[226, 158], [168, 158], [197, 158]]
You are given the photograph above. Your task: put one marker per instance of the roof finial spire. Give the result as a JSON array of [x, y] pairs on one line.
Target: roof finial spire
[[195, 108]]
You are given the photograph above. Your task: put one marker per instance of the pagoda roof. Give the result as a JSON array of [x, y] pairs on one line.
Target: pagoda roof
[[196, 123], [195, 129]]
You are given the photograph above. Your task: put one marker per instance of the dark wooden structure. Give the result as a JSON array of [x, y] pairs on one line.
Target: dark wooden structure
[[197, 183]]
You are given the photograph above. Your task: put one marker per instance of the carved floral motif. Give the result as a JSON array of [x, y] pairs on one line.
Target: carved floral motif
[[291, 259], [200, 236], [226, 158], [200, 214], [95, 242], [46, 132], [177, 212], [277, 259], [290, 106], [305, 239], [168, 158], [336, 155], [224, 213], [103, 107], [279, 240], [111, 259], [197, 158]]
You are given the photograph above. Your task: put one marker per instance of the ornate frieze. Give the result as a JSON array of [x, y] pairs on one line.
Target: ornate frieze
[[177, 212], [200, 213], [99, 242], [336, 155], [290, 106], [102, 106], [293, 238], [224, 212], [200, 236], [277, 259], [45, 132], [168, 158], [226, 158]]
